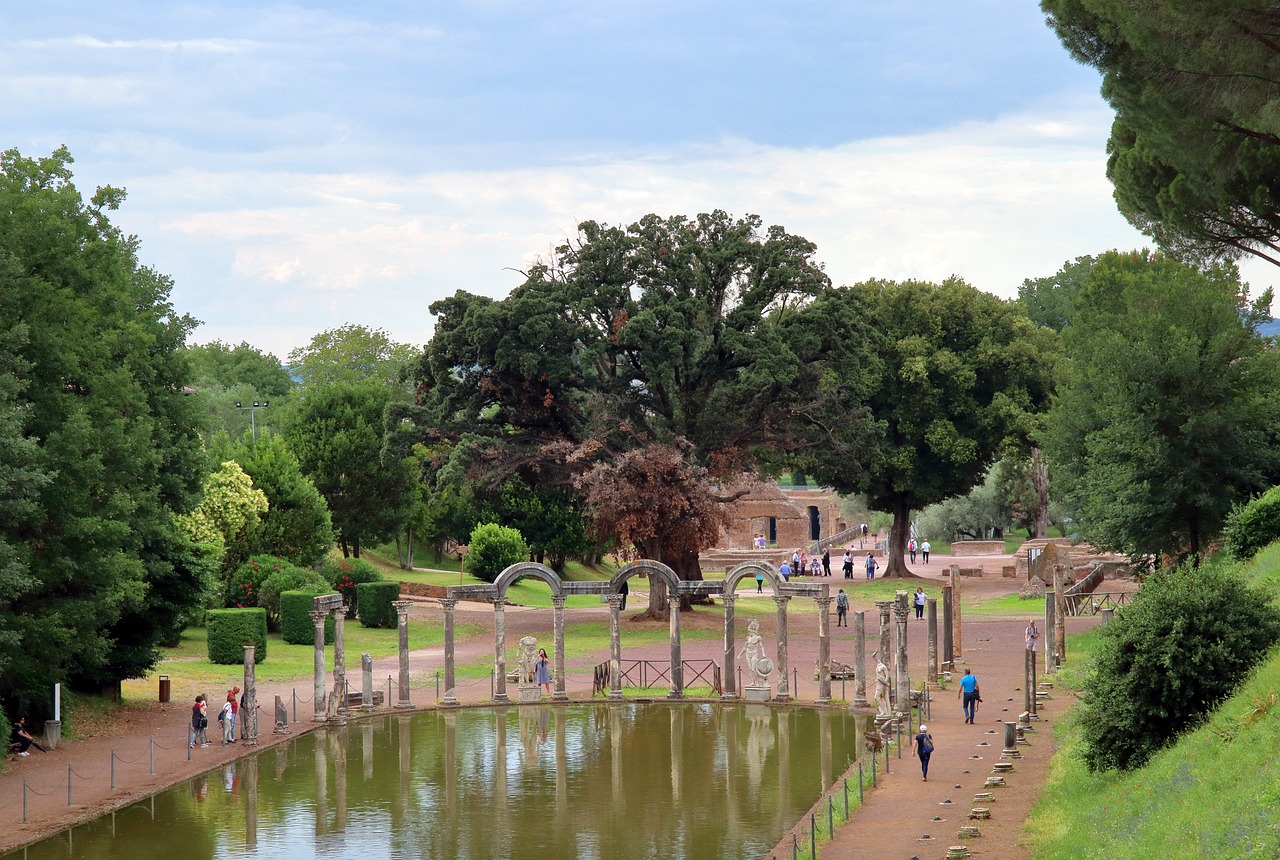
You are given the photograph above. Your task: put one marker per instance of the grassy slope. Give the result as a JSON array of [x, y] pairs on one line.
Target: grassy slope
[[1213, 794]]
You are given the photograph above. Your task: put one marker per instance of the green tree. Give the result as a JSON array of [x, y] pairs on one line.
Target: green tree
[[1050, 301], [351, 354], [242, 364], [336, 433], [114, 434], [665, 334], [297, 526], [229, 508], [977, 515], [1164, 419], [1194, 152], [959, 374]]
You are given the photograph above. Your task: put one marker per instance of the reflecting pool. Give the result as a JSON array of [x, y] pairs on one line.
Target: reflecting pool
[[571, 781]]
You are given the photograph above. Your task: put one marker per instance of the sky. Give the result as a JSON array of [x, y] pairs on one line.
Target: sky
[[294, 168]]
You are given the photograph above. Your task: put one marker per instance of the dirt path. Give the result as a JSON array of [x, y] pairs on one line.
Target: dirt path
[[147, 737]]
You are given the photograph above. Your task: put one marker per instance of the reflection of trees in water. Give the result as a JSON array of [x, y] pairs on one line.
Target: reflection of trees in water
[[594, 781]]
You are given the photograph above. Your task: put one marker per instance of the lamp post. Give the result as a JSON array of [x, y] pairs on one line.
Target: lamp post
[[253, 408]]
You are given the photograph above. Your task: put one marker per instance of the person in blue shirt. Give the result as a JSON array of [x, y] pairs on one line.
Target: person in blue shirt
[[785, 570], [870, 564], [972, 695]]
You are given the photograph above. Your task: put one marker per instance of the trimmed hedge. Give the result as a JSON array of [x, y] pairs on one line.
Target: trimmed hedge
[[296, 626], [374, 600], [231, 629]]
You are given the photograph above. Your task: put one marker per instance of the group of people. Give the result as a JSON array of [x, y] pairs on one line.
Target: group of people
[[227, 716]]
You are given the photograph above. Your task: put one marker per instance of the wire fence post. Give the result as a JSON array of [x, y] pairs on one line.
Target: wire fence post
[[898, 729], [795, 845], [151, 748], [24, 800], [886, 758], [831, 817], [490, 684], [860, 781], [813, 836], [846, 798], [873, 769], [387, 701], [438, 683], [795, 683], [68, 785], [295, 704], [113, 770]]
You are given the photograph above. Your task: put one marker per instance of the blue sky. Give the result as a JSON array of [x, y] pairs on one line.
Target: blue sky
[[298, 167]]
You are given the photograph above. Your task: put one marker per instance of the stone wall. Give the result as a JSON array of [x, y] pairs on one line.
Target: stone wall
[[977, 547]]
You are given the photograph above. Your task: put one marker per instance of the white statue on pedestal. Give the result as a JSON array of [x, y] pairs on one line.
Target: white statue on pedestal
[[883, 708], [526, 656], [753, 652]]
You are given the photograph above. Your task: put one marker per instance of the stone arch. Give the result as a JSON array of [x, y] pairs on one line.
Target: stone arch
[[646, 566], [528, 568], [740, 571]]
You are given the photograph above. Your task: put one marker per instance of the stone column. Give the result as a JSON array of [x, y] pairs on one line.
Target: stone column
[[402, 628], [859, 659], [615, 646], [931, 613], [948, 643], [1035, 702], [784, 670], [1029, 660], [902, 677], [957, 619], [1049, 627], [1108, 615], [340, 663], [824, 650], [500, 651], [730, 664], [883, 654], [366, 683], [249, 713], [1059, 615], [318, 617], [557, 614], [677, 664]]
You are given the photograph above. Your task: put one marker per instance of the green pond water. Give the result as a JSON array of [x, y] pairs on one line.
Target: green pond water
[[634, 780]]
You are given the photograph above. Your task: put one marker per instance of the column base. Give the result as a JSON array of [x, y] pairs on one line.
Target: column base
[[501, 699], [616, 696], [405, 704], [728, 697], [676, 694], [319, 718], [823, 700], [860, 703], [446, 702], [559, 697]]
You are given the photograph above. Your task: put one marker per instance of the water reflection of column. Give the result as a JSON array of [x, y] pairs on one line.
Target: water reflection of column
[[338, 752], [366, 748], [322, 782], [784, 761], [784, 679], [402, 630], [249, 771], [677, 665], [500, 651], [824, 749], [824, 649], [450, 763], [500, 768], [677, 754], [318, 616], [729, 683], [615, 646], [859, 659], [615, 752], [450, 679], [902, 678], [404, 732], [562, 764], [340, 664], [557, 604]]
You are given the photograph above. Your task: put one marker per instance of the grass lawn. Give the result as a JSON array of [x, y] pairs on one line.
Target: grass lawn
[[189, 669], [1009, 605]]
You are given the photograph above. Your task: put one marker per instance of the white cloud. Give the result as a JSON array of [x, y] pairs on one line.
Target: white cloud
[[992, 202]]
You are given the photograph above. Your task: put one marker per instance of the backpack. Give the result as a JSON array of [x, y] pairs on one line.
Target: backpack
[[220, 715], [926, 744]]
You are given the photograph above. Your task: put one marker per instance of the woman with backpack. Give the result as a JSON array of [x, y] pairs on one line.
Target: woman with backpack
[[923, 748]]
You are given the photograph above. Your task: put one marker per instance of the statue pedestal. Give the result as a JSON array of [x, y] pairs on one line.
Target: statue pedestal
[[530, 694], [757, 694]]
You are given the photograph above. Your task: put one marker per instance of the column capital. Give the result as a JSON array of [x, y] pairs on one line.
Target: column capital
[[318, 615], [557, 601], [402, 606], [614, 600], [729, 599], [499, 603], [823, 602], [885, 605], [900, 613], [446, 603], [782, 600], [673, 599]]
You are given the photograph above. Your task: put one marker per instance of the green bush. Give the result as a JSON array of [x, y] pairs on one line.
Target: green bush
[[374, 601], [231, 629], [244, 586], [494, 548], [1253, 526], [296, 626], [347, 573], [1187, 639], [289, 578]]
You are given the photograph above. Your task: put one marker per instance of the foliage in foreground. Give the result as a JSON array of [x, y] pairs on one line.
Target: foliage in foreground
[[1187, 640]]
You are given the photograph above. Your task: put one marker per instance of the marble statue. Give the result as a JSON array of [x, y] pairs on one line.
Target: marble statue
[[883, 708], [526, 657], [753, 653]]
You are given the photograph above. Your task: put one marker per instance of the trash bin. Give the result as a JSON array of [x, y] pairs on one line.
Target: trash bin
[[164, 688]]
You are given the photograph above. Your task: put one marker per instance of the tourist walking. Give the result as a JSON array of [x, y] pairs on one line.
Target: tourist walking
[[911, 548], [1033, 636], [759, 582], [234, 700], [795, 560], [199, 722], [871, 566], [842, 609], [785, 570], [971, 694], [826, 561], [227, 717], [923, 748], [919, 601], [848, 563], [924, 550]]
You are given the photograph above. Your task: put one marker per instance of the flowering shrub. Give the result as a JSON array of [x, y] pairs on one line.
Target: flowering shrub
[[244, 586], [345, 574]]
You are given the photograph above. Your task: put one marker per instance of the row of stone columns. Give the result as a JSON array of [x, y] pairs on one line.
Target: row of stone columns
[[333, 706]]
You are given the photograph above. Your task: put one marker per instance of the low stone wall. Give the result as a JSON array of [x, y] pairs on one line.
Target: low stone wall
[[421, 589], [978, 547]]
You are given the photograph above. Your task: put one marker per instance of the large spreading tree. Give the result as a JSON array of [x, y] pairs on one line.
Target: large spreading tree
[[1194, 152], [958, 376], [112, 453], [674, 341], [1166, 415]]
